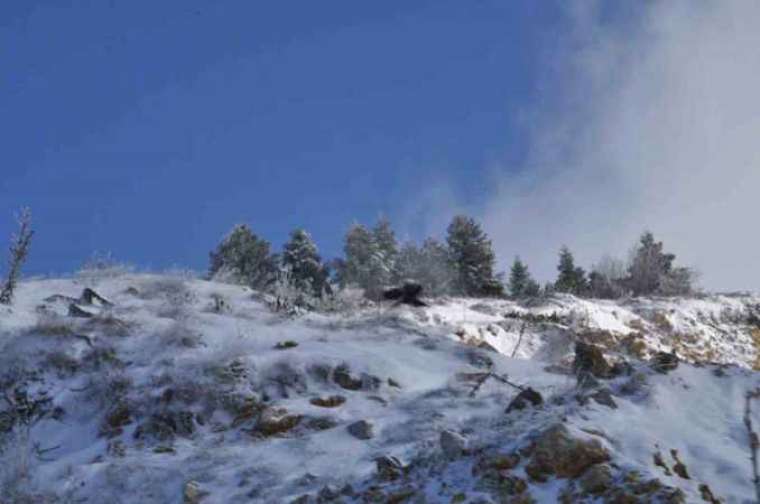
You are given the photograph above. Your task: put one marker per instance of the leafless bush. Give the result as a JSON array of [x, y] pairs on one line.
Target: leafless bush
[[177, 296], [102, 266], [109, 387], [178, 334], [19, 251], [51, 324], [62, 362]]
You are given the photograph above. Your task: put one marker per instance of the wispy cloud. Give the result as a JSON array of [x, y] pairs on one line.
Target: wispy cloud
[[652, 121]]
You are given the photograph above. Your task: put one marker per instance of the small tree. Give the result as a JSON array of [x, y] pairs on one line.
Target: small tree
[[387, 250], [428, 265], [521, 283], [438, 274], [571, 279], [360, 252], [244, 257], [652, 272], [301, 257], [607, 279], [19, 251], [472, 258]]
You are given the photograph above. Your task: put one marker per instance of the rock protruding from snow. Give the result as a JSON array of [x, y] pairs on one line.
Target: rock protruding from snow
[[526, 397], [559, 453], [408, 293], [77, 312], [90, 297], [590, 361], [453, 445], [362, 429], [664, 362], [389, 468]]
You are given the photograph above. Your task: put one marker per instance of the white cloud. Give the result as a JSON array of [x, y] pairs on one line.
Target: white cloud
[[653, 123]]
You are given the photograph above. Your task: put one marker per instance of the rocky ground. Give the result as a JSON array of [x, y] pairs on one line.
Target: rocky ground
[[168, 389]]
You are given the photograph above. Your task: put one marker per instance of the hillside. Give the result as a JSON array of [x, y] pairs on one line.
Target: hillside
[[170, 389]]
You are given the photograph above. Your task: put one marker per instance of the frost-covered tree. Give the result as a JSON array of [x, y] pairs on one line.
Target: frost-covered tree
[[472, 257], [571, 278], [678, 282], [607, 278], [245, 258], [19, 251], [301, 258], [387, 250], [364, 262], [428, 265], [521, 283], [438, 275], [409, 262], [652, 272], [648, 265]]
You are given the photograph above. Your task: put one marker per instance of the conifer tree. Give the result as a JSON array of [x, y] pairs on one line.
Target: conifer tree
[[652, 272], [301, 258], [521, 283], [648, 266], [244, 257], [571, 279], [363, 262], [472, 258]]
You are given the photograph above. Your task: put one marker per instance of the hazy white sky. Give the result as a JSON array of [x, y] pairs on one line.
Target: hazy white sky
[[650, 125]]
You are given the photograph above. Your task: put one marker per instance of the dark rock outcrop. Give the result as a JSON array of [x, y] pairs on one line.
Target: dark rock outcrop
[[664, 362], [526, 397], [590, 362], [408, 293]]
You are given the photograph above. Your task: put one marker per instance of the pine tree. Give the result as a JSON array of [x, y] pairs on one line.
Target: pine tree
[[244, 257], [652, 271], [649, 266], [472, 258], [571, 279], [364, 261], [521, 283], [301, 258]]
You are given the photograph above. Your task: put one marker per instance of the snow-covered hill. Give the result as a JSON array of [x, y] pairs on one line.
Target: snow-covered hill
[[173, 389]]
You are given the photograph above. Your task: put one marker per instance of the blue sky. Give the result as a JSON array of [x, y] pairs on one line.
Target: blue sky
[[148, 129]]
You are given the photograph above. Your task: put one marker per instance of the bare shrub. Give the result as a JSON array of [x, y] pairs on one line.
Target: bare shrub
[[178, 334], [102, 266], [51, 324], [176, 295], [62, 362], [19, 251]]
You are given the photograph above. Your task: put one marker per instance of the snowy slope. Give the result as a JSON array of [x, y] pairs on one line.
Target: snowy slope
[[179, 393], [719, 328]]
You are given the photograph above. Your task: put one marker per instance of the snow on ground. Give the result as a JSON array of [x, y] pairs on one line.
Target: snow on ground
[[191, 387]]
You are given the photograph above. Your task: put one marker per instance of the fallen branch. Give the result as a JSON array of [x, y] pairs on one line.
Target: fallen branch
[[40, 452], [519, 340], [482, 378]]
